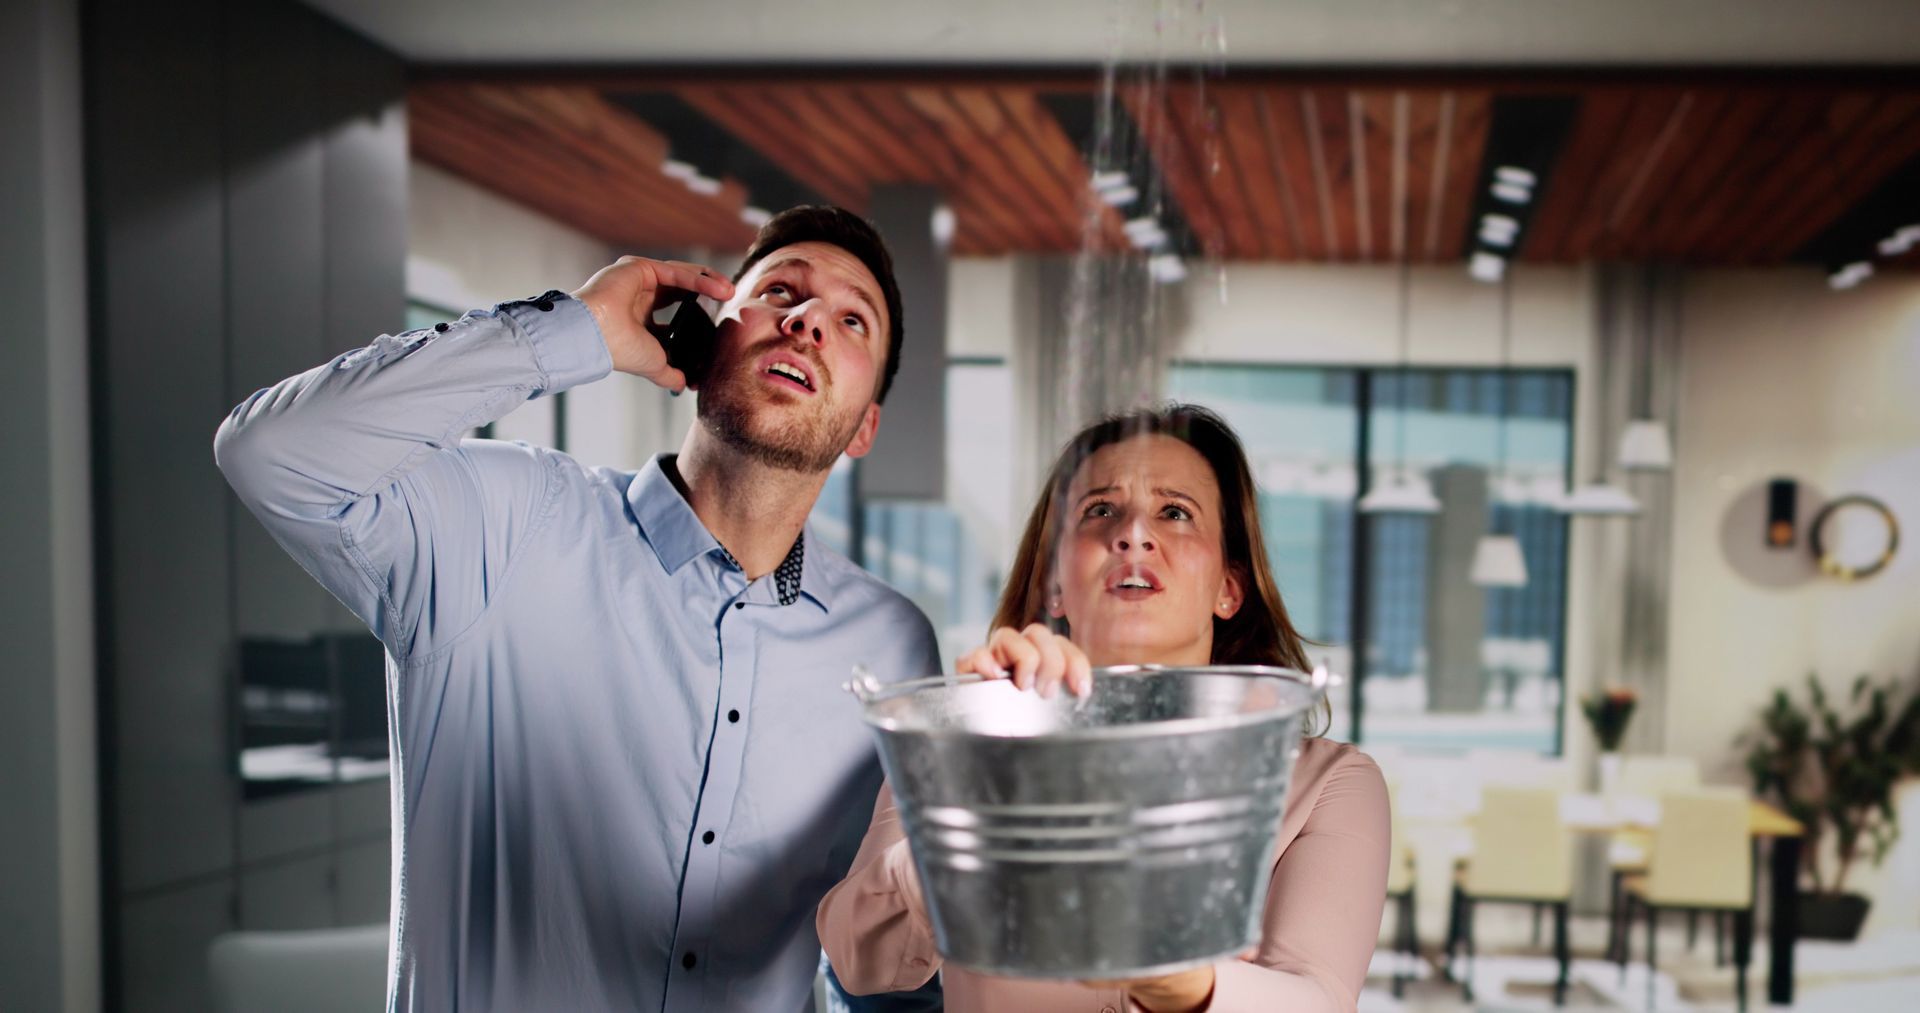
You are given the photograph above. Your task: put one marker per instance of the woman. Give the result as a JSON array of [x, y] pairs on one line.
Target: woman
[[1145, 548]]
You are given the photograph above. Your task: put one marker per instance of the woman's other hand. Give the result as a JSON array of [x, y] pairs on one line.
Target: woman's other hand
[[1179, 992], [1035, 658]]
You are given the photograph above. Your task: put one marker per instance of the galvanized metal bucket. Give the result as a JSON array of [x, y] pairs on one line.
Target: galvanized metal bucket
[[1126, 834]]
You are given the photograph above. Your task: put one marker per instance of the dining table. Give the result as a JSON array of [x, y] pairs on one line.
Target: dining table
[[1770, 829]]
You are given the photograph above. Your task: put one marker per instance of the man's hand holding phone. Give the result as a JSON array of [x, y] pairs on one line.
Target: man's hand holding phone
[[624, 297]]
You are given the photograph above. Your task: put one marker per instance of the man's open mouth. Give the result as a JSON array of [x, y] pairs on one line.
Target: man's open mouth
[[791, 372]]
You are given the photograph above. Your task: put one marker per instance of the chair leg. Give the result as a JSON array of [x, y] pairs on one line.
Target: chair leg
[[1616, 918], [1454, 902], [1693, 929], [1403, 934], [1653, 936], [1562, 948], [1413, 928], [1466, 922], [1719, 939], [1628, 908], [1538, 910], [1742, 954]]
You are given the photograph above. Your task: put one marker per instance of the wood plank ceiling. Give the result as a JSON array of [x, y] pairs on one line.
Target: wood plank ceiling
[[1281, 169]]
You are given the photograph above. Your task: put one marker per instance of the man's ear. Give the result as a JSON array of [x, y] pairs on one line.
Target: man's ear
[[869, 428]]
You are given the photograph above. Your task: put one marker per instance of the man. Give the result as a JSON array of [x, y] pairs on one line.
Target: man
[[626, 770]]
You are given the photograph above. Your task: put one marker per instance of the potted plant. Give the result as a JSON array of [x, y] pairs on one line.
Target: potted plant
[[1836, 774], [1607, 714]]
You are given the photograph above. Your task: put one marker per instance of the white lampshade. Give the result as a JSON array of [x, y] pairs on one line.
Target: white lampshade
[[1599, 500], [1497, 562], [1645, 445], [1401, 493]]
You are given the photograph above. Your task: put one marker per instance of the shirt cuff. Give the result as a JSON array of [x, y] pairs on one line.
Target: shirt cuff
[[566, 340], [920, 952]]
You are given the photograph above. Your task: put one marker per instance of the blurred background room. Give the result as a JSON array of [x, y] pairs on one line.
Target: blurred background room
[[1576, 345]]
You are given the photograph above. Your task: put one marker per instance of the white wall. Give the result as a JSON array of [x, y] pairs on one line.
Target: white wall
[[1345, 315], [1782, 377], [468, 247]]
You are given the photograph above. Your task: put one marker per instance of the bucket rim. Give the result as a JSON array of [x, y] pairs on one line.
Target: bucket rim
[[871, 693]]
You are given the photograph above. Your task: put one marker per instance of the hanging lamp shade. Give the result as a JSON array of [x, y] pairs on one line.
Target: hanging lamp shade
[[1401, 493], [1498, 562], [1599, 499], [1645, 446]]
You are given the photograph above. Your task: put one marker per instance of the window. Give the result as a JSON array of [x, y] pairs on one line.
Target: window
[[949, 557], [1448, 665]]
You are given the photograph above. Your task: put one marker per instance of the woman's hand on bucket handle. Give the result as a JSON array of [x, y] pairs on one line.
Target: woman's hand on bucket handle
[[1034, 658], [1172, 993]]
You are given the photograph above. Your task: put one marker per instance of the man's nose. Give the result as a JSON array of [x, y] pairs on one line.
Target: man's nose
[[805, 320]]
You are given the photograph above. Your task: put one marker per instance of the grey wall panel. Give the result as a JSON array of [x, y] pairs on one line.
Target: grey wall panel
[[164, 946], [362, 883], [49, 905], [161, 282], [909, 458], [285, 896], [365, 204], [364, 809], [249, 164], [275, 266], [275, 250], [285, 825]]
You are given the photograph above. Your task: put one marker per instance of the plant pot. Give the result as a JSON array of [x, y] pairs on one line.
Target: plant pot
[[1835, 916], [1609, 771]]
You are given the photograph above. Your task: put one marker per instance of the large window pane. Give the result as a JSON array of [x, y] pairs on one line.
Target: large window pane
[[1300, 430], [949, 557], [1451, 665]]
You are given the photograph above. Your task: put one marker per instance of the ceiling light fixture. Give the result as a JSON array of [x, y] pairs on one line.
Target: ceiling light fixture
[[1498, 229], [943, 225], [1515, 175], [1512, 193], [1497, 559], [1166, 268], [676, 169], [755, 217], [1850, 275], [1644, 444], [1487, 267], [1403, 492]]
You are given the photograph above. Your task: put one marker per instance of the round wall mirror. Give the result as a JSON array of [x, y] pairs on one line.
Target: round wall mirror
[[1854, 537]]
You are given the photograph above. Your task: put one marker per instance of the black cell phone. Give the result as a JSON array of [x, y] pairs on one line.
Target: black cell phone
[[689, 339]]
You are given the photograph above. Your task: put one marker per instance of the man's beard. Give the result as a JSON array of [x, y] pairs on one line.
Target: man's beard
[[807, 444]]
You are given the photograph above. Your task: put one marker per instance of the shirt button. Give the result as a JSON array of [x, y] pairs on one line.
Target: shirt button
[[739, 604], [689, 960], [707, 838], [440, 328], [546, 306], [733, 717]]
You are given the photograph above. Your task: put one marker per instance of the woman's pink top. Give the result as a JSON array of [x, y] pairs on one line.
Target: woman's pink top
[[1320, 922]]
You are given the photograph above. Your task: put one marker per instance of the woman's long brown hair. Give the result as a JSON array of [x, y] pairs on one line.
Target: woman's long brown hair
[[1260, 633]]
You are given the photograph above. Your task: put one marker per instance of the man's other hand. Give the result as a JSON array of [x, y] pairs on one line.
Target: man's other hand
[[625, 295]]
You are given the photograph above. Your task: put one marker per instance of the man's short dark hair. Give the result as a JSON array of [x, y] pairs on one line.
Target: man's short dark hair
[[836, 226]]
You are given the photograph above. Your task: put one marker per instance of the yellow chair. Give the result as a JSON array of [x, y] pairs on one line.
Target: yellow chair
[[1521, 854], [1641, 777], [1701, 860], [1400, 890]]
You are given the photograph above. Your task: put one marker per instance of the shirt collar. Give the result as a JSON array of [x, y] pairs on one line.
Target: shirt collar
[[669, 525]]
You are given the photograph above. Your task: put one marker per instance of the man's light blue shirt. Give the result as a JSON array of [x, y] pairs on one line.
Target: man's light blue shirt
[[625, 774]]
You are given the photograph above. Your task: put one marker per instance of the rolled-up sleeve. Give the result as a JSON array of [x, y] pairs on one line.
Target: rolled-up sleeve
[[874, 925]]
